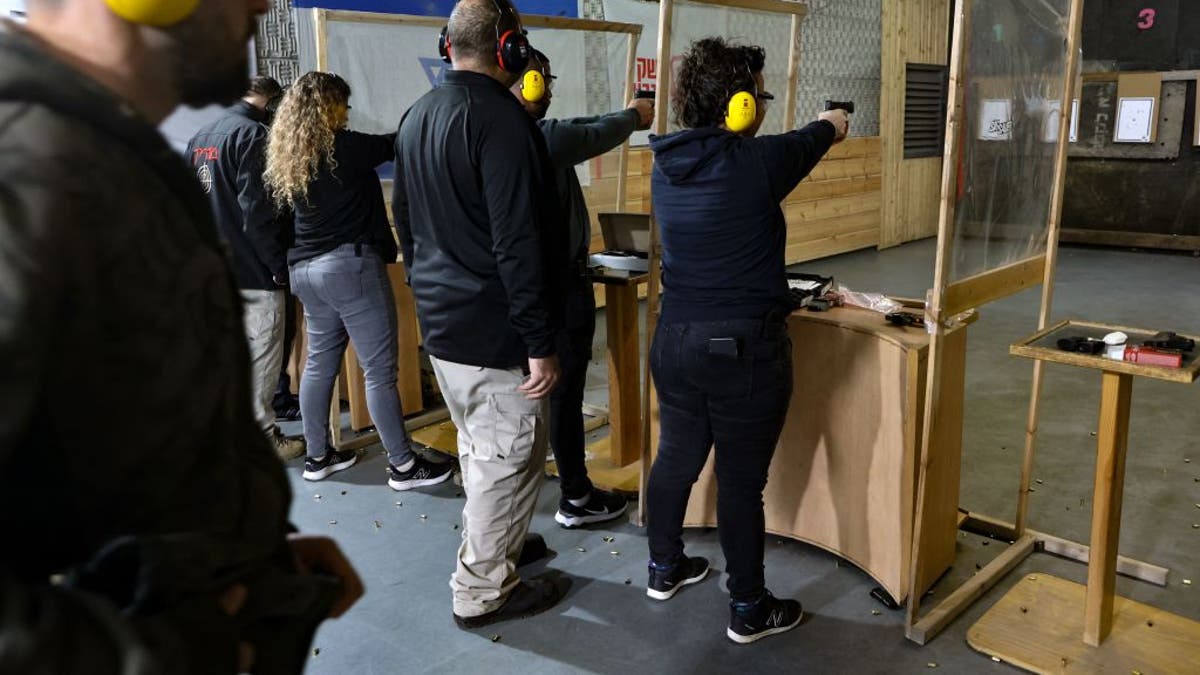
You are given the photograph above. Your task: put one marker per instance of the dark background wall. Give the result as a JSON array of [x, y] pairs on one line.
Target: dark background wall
[[1127, 201]]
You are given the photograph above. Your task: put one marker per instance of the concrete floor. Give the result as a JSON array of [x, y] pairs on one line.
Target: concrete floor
[[404, 543]]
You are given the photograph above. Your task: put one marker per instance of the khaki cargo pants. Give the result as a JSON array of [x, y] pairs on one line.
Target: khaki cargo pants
[[502, 443]]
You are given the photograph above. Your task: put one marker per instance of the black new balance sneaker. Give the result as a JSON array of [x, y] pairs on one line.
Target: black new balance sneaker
[[665, 582], [423, 472], [332, 462], [768, 616], [601, 506]]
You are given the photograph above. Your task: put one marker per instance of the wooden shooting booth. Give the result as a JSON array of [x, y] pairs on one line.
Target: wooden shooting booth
[[1013, 73], [375, 35], [885, 495], [844, 476]]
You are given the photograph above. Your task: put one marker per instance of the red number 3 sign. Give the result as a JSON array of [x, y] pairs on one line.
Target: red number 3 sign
[[1146, 19]]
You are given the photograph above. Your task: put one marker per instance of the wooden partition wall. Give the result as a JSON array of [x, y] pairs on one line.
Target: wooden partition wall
[[914, 31]]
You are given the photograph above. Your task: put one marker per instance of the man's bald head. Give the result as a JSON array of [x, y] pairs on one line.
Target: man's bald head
[[473, 25]]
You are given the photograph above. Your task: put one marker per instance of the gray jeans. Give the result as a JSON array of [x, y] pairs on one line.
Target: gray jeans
[[263, 314], [346, 295]]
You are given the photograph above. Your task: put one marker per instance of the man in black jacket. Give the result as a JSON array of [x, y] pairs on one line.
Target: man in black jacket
[[476, 212], [167, 520], [229, 157], [571, 142]]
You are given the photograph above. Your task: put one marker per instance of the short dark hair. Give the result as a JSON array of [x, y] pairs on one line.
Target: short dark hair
[[711, 71], [473, 26], [267, 86]]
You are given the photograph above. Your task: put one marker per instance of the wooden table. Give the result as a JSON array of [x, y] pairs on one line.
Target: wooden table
[[1046, 624], [844, 474], [624, 362]]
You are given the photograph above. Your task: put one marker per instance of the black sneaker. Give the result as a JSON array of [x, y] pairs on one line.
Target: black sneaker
[[768, 616], [528, 598], [333, 462], [601, 507], [665, 583], [422, 473]]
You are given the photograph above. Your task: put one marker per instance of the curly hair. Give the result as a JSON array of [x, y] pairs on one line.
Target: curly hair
[[301, 138], [710, 73]]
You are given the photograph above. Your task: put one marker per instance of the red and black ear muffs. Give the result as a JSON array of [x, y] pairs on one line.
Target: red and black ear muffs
[[512, 51], [512, 47], [444, 44]]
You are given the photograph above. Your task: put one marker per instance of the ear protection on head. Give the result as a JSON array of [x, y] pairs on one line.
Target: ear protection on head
[[156, 13], [742, 109], [512, 47], [533, 86], [741, 112], [444, 44]]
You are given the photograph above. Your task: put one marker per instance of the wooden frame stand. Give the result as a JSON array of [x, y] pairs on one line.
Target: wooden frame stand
[[1049, 625]]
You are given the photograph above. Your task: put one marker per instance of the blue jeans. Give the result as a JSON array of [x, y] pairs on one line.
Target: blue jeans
[[348, 295], [736, 402]]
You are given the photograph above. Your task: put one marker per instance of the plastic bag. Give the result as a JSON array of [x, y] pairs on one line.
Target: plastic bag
[[873, 301]]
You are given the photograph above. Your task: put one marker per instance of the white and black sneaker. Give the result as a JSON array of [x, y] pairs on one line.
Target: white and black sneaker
[[601, 506], [665, 582], [423, 472], [333, 462], [768, 616]]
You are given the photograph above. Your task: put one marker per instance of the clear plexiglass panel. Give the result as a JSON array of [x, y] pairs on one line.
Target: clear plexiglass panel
[[1012, 79]]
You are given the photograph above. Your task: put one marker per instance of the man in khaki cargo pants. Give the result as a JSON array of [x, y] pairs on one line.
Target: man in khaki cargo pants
[[476, 210]]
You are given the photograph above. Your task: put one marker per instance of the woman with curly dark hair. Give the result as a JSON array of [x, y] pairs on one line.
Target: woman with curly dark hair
[[721, 358], [338, 268]]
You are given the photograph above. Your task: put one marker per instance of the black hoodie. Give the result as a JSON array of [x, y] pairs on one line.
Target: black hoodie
[[717, 202]]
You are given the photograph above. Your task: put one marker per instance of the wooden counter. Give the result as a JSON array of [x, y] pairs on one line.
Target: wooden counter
[[844, 473]]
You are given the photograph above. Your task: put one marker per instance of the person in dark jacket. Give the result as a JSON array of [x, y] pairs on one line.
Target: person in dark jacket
[[229, 156], [476, 210], [343, 245], [571, 142], [721, 357], [147, 531]]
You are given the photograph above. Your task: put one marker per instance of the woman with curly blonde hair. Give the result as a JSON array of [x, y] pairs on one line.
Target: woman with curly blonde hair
[[338, 269]]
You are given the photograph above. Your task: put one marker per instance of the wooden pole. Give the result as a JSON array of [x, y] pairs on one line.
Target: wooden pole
[[623, 157], [320, 31], [933, 312], [1111, 444], [666, 10], [789, 110], [1053, 227]]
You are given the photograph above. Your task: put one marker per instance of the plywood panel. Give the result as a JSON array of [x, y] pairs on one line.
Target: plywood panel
[[1038, 626], [914, 31]]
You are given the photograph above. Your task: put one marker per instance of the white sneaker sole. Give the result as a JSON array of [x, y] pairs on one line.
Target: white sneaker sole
[[667, 595], [576, 521], [402, 485], [329, 470], [747, 639]]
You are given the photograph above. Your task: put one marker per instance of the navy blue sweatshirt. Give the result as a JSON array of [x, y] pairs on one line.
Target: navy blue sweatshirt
[[717, 203]]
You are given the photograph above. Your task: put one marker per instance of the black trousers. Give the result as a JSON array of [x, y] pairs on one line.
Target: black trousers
[[574, 344], [737, 402]]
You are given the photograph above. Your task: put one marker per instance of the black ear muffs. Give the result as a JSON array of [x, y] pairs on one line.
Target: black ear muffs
[[512, 51], [444, 44]]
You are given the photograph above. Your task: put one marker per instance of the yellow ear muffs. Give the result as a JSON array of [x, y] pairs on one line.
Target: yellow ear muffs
[[157, 13], [533, 86], [742, 111]]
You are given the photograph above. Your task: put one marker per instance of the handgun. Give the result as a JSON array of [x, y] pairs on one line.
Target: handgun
[[848, 106]]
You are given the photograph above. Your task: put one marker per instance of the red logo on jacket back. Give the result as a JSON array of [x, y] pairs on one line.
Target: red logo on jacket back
[[210, 153]]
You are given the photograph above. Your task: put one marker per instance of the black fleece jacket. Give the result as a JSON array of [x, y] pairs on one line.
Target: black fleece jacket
[[229, 158]]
